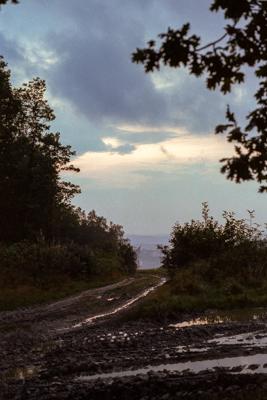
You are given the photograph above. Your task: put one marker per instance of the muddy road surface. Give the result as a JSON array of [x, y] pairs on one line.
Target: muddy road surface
[[81, 348]]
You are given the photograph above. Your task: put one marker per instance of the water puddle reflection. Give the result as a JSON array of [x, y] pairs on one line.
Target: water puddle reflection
[[197, 322], [224, 317], [122, 307], [245, 365], [255, 339]]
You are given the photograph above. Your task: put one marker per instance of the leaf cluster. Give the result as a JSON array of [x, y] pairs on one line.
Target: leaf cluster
[[225, 62]]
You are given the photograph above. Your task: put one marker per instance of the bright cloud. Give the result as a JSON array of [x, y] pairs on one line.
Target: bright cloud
[[37, 53], [127, 170], [137, 128], [112, 142]]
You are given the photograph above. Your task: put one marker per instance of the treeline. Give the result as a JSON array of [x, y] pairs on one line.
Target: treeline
[[41, 233], [234, 250]]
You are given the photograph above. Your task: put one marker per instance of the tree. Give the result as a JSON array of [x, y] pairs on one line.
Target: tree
[[224, 61], [32, 193], [7, 1]]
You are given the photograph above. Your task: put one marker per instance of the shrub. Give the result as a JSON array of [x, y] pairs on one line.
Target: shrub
[[234, 248], [40, 263]]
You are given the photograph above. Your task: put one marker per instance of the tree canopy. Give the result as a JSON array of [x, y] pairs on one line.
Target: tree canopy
[[31, 160], [7, 1], [224, 62], [42, 234], [37, 219]]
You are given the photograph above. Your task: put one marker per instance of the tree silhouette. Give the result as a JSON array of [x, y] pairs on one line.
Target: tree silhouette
[[224, 61], [31, 160], [7, 1], [35, 202]]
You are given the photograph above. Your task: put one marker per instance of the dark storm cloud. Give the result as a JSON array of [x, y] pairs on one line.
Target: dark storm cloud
[[93, 40], [97, 75], [99, 79], [9, 50], [96, 72]]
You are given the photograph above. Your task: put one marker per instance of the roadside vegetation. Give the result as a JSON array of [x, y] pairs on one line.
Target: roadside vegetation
[[211, 266], [48, 247]]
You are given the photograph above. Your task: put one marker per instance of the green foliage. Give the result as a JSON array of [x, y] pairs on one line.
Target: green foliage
[[31, 159], [42, 235], [235, 248], [211, 266], [97, 234], [40, 263], [91, 247], [225, 62], [190, 291]]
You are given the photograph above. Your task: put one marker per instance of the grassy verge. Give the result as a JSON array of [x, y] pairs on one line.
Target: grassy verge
[[189, 292], [27, 295]]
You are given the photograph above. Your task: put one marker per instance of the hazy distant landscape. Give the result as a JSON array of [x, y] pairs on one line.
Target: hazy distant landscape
[[148, 254]]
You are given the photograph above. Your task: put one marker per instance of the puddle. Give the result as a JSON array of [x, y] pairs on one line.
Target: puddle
[[224, 317], [246, 365], [255, 339], [122, 307], [198, 322], [21, 373], [191, 349], [248, 340]]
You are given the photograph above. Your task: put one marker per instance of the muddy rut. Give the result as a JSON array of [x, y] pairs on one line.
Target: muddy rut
[[78, 348]]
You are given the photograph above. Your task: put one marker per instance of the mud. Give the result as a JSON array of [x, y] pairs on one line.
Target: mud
[[48, 353]]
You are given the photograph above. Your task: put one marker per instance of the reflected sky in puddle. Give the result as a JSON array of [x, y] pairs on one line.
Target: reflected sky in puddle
[[197, 322], [191, 349], [248, 365], [122, 307], [255, 339], [224, 317], [248, 340]]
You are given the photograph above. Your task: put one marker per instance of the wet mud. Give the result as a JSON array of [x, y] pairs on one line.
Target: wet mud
[[52, 355]]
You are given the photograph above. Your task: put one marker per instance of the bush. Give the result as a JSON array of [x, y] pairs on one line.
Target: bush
[[40, 263], [233, 249]]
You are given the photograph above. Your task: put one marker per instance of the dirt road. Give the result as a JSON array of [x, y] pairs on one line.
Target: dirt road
[[62, 351]]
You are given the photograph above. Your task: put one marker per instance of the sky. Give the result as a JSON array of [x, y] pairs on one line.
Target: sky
[[144, 142]]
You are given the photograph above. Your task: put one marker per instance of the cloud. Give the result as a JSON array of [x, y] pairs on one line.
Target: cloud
[[116, 145], [96, 74], [96, 71], [84, 52], [9, 48], [127, 170], [86, 59], [138, 128], [112, 142]]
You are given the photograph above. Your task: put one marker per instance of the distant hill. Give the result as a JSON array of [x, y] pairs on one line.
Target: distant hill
[[148, 254]]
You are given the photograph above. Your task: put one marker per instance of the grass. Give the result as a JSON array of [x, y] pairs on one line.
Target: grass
[[189, 292], [26, 295]]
